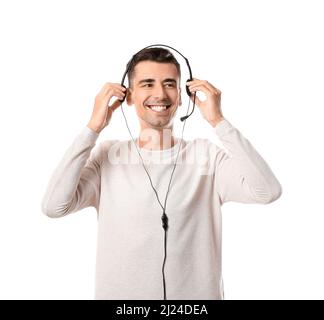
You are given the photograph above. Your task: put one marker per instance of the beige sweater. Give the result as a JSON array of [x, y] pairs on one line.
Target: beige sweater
[[130, 251]]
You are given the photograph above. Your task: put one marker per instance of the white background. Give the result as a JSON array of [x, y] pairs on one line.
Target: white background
[[267, 59]]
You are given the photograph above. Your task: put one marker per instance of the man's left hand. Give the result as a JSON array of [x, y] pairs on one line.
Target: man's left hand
[[211, 107]]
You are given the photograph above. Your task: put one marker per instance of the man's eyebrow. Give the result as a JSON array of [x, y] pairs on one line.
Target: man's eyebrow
[[146, 81], [170, 80], [153, 80]]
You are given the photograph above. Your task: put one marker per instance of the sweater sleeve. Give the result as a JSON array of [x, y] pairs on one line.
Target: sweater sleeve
[[242, 175], [75, 184]]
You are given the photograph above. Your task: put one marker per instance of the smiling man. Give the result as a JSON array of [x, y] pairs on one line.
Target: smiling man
[[130, 248], [155, 92]]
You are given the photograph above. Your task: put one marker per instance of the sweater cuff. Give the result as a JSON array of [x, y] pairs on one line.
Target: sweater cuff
[[88, 135], [222, 128]]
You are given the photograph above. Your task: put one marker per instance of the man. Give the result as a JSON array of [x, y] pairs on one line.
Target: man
[[130, 236]]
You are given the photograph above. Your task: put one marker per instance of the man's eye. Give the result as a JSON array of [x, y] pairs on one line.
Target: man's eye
[[170, 85]]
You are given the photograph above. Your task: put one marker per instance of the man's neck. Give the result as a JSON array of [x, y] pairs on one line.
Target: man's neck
[[156, 139]]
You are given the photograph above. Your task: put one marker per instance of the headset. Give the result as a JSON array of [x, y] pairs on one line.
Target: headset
[[164, 217]]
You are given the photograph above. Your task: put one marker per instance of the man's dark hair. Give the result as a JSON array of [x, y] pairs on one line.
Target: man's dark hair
[[156, 54]]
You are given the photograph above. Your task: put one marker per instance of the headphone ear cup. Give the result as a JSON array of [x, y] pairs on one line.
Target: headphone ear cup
[[122, 100], [187, 89]]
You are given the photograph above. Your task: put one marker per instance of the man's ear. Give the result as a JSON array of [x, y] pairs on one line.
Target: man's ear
[[129, 97]]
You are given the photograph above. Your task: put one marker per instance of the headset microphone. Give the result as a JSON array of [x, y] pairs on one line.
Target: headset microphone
[[164, 217]]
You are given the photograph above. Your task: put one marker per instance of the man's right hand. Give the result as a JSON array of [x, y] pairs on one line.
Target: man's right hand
[[102, 112]]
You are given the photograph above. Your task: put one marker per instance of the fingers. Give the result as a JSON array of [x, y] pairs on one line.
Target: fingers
[[107, 98], [108, 85], [112, 89], [202, 85], [112, 92]]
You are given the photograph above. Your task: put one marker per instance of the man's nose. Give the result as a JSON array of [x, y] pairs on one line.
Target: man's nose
[[159, 91]]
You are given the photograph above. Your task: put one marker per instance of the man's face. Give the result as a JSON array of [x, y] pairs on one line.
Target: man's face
[[155, 93]]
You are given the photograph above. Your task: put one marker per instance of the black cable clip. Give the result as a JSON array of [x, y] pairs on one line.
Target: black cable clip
[[164, 219]]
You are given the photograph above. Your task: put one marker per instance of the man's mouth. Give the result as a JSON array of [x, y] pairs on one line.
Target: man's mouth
[[158, 107]]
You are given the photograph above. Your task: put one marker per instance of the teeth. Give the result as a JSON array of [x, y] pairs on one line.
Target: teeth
[[158, 108]]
